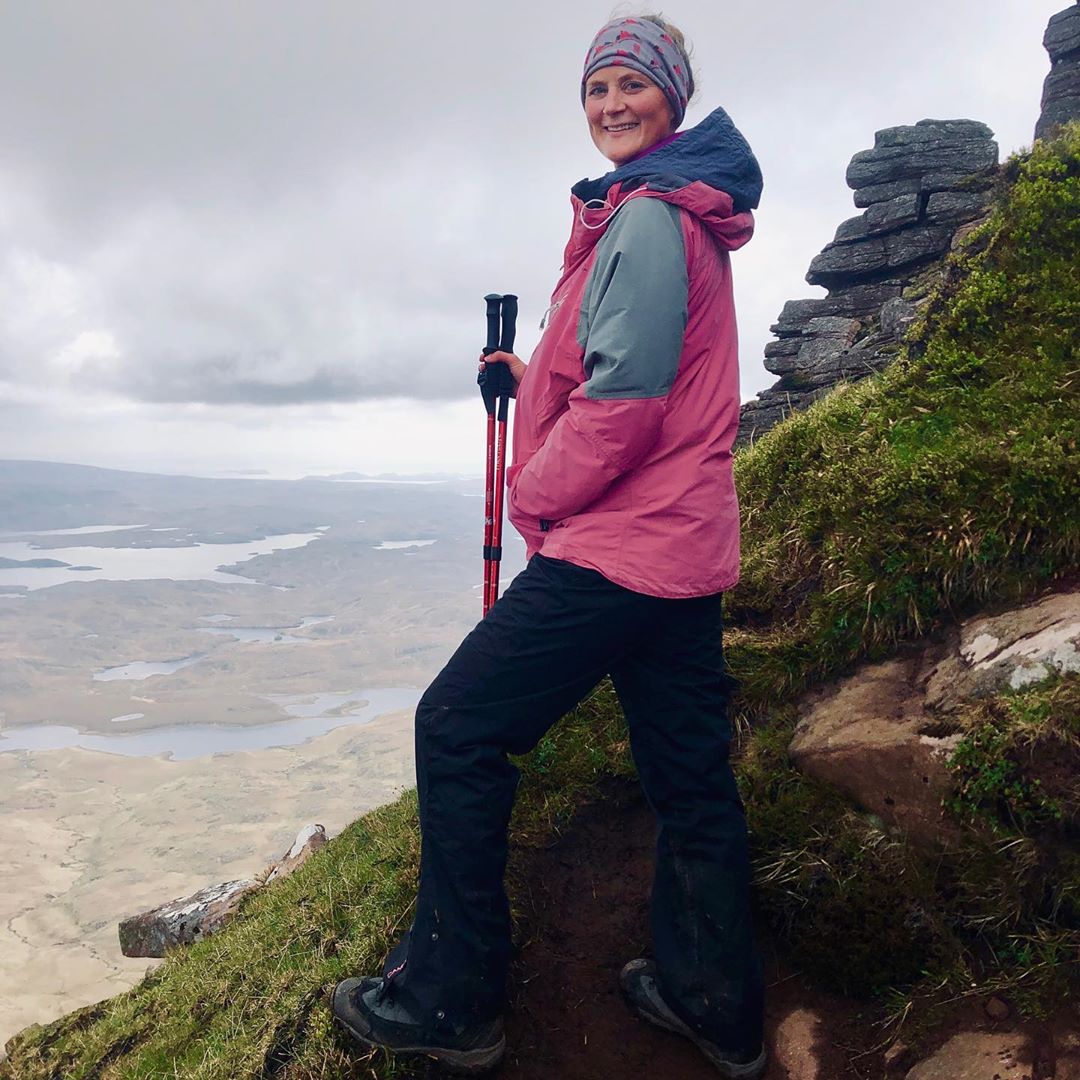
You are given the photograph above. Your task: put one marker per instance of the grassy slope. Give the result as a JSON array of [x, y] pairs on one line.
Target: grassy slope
[[880, 514]]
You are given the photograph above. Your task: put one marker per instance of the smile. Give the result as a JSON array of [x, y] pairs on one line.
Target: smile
[[620, 127]]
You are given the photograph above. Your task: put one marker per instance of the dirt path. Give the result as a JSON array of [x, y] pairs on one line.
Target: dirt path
[[588, 897]]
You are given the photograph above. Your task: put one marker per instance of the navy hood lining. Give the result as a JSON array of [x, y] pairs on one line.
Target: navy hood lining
[[713, 152]]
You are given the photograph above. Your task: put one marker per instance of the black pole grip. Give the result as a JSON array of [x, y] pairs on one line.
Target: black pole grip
[[494, 308], [496, 382], [509, 323]]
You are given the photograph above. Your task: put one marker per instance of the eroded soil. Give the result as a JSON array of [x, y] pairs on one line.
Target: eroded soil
[[586, 899]]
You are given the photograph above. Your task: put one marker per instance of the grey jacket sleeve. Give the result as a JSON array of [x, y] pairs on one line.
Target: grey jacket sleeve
[[633, 312]]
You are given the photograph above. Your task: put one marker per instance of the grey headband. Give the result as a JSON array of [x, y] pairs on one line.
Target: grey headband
[[645, 47]]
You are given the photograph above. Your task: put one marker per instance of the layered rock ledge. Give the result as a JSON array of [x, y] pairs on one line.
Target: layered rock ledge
[[1061, 91], [918, 187], [921, 188]]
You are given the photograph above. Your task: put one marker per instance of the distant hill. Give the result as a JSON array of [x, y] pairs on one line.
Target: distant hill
[[56, 495]]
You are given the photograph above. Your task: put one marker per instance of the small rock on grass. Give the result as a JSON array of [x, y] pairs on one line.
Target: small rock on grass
[[191, 918]]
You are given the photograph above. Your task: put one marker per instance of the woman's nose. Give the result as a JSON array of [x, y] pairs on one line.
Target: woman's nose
[[613, 102]]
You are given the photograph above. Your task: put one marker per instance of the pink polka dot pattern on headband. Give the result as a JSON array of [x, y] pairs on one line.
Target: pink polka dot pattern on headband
[[620, 43]]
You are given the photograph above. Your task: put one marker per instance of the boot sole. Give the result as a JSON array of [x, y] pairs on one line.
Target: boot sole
[[478, 1060]]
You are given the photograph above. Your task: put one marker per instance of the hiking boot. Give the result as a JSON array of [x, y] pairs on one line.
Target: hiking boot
[[638, 983], [371, 1016]]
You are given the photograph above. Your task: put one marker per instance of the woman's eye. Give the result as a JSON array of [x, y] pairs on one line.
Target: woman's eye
[[595, 91]]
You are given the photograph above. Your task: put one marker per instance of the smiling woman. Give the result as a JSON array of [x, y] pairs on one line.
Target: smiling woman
[[627, 109], [627, 113], [622, 488]]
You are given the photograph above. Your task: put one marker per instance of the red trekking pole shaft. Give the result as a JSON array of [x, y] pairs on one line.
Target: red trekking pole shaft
[[496, 386], [506, 344], [489, 508], [494, 319]]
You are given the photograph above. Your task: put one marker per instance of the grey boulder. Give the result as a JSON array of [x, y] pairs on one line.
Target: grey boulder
[[1009, 652], [864, 736], [191, 918], [909, 153]]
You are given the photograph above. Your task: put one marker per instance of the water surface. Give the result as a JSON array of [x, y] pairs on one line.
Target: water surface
[[143, 669], [267, 635], [313, 715], [200, 562], [394, 545]]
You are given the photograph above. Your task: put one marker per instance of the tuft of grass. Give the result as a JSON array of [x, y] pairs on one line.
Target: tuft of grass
[[589, 744], [888, 510], [855, 908], [1007, 742]]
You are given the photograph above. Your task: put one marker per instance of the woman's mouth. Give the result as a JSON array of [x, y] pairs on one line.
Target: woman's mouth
[[619, 127]]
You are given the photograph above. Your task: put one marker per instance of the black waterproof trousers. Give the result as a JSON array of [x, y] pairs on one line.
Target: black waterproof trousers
[[544, 645]]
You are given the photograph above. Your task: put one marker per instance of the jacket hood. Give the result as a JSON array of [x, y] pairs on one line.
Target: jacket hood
[[713, 153]]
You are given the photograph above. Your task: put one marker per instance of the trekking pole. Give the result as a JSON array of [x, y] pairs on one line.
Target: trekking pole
[[487, 392], [496, 384], [506, 344]]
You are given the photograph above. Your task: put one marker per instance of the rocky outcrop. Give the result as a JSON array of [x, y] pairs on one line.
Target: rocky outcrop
[[882, 735], [191, 918], [308, 840], [183, 921], [918, 186], [921, 188], [1061, 91]]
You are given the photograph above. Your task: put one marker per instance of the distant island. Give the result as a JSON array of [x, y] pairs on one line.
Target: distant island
[[42, 564]]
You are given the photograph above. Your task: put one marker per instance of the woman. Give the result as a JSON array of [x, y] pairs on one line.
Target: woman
[[621, 485]]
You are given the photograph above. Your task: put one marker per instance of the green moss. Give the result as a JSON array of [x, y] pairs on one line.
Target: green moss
[[1007, 740], [990, 783]]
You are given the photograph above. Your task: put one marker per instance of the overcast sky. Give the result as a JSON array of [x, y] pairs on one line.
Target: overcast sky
[[256, 234]]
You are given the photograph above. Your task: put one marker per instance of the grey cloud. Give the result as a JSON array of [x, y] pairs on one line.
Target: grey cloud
[[270, 203], [214, 382], [235, 380]]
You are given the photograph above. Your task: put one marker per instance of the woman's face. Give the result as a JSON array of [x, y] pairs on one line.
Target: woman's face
[[627, 113]]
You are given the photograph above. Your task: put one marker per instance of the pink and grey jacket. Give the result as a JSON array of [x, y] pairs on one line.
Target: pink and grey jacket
[[629, 408]]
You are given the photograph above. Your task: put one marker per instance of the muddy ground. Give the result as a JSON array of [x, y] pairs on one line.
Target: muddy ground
[[586, 901]]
